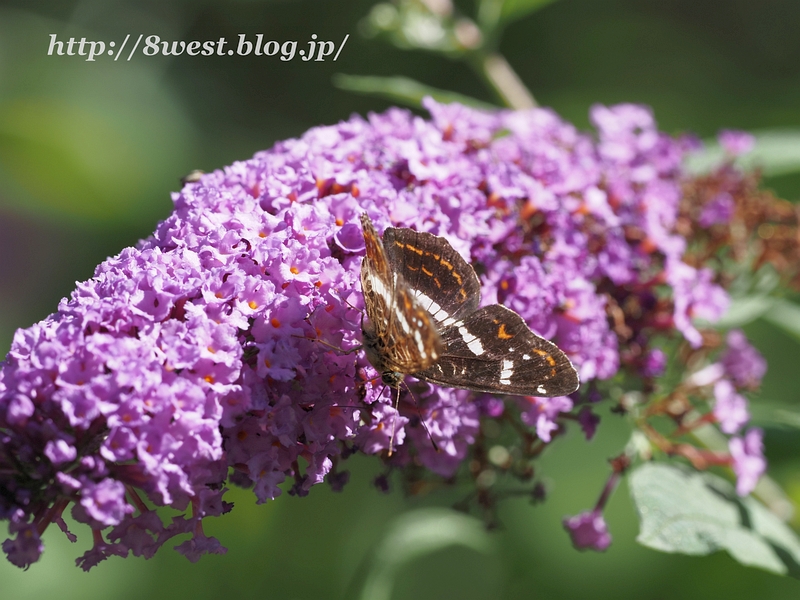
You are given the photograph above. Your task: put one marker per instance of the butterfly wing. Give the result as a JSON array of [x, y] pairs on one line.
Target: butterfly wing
[[377, 279], [493, 350], [443, 282], [401, 335]]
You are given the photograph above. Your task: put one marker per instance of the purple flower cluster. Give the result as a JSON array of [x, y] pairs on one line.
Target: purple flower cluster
[[741, 366], [217, 348]]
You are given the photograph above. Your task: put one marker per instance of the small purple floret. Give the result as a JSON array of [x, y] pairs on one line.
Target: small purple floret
[[718, 211], [730, 408], [25, 549], [736, 143], [742, 362], [749, 463], [588, 531], [655, 362]]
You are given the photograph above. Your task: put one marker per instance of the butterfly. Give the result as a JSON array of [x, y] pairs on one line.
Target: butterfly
[[424, 319]]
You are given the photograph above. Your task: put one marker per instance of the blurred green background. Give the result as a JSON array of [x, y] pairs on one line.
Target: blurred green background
[[89, 152]]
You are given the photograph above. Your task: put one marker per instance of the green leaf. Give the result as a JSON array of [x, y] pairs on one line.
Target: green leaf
[[774, 415], [403, 90], [686, 512], [494, 14], [786, 315], [417, 534], [514, 10], [744, 310], [777, 152]]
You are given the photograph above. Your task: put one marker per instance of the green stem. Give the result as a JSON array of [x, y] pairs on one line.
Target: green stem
[[503, 80]]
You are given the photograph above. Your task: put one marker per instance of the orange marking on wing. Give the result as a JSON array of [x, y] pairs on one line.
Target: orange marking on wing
[[428, 273], [448, 265], [437, 282], [547, 356], [502, 333]]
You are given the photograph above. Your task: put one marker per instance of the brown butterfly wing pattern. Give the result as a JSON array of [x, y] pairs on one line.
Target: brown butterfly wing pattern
[[422, 302], [493, 350], [400, 336], [443, 282]]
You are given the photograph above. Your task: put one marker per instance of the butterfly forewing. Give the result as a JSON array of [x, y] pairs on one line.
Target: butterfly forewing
[[444, 283], [401, 335], [377, 279], [493, 350]]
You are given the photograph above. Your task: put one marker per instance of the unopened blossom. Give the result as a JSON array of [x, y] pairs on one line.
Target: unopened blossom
[[742, 362], [654, 363], [588, 531], [588, 422], [707, 375]]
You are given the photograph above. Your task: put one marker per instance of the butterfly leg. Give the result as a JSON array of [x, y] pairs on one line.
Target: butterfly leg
[[394, 421], [421, 419]]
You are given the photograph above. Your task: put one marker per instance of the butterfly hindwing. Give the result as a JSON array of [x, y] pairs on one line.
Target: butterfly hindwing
[[444, 283], [493, 350]]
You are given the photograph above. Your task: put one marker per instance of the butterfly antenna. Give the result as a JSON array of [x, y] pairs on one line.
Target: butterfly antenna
[[329, 345], [421, 420], [346, 301], [323, 342]]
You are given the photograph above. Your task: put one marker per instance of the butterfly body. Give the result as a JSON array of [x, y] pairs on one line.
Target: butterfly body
[[424, 319]]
